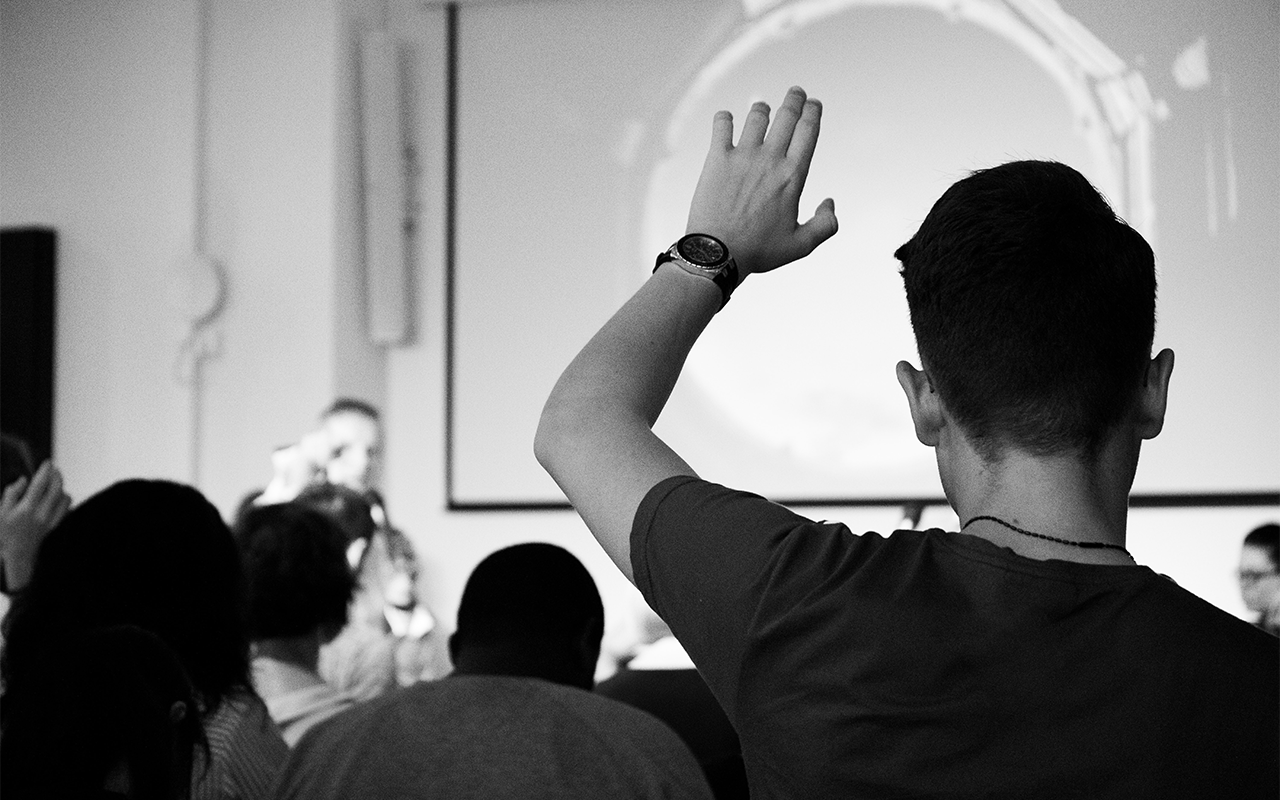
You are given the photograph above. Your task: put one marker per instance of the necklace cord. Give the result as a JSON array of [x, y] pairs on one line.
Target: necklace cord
[[1025, 532]]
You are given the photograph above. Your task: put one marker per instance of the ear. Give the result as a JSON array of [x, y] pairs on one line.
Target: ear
[[925, 405], [588, 647], [1153, 397], [453, 648]]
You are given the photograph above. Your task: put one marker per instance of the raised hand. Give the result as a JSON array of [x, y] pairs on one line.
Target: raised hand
[[28, 511], [748, 195]]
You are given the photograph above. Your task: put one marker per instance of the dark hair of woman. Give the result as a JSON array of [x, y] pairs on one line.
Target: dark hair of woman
[[107, 710], [148, 553]]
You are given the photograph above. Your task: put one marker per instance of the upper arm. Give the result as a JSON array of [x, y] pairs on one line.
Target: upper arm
[[605, 463]]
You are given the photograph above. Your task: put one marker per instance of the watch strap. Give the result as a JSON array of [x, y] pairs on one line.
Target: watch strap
[[726, 278]]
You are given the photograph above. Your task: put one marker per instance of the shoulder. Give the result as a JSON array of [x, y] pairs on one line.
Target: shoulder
[[688, 528], [246, 750], [489, 734]]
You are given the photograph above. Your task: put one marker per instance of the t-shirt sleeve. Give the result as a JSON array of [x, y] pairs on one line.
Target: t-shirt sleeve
[[719, 566]]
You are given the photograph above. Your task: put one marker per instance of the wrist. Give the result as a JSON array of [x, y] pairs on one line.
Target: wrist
[[700, 290], [706, 257]]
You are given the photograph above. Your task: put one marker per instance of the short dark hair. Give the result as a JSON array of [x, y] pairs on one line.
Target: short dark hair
[[297, 579], [149, 553], [1268, 538], [536, 595], [351, 405], [349, 508], [1033, 307]]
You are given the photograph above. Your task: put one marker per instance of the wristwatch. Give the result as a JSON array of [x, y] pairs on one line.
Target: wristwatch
[[705, 255]]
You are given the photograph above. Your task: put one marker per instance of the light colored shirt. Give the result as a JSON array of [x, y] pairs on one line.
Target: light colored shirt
[[297, 698]]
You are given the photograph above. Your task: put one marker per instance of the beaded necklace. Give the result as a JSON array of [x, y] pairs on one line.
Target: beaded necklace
[[1025, 532]]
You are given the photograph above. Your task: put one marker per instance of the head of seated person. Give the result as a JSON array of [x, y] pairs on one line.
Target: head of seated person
[[1260, 575], [111, 711], [349, 509], [530, 610], [148, 553], [297, 580], [1033, 308]]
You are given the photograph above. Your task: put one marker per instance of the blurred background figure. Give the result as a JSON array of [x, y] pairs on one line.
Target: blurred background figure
[[390, 638], [297, 585], [110, 712], [388, 641], [1260, 576], [158, 556], [516, 719], [353, 430], [660, 678]]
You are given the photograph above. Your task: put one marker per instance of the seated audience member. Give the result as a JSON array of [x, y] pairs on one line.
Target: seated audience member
[[110, 713], [391, 627], [1024, 656], [660, 678], [297, 586], [390, 638], [352, 429], [516, 719], [1260, 576], [156, 555]]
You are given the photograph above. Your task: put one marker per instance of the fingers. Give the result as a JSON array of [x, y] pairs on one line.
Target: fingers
[[805, 136], [821, 227], [43, 499], [722, 131], [757, 123], [13, 493], [41, 483], [54, 502], [784, 123], [59, 510]]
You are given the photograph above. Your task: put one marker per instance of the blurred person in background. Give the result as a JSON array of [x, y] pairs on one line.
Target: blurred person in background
[[1260, 576], [660, 678], [298, 586], [337, 467]]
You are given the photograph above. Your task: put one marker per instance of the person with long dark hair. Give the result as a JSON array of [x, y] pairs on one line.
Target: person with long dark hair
[[156, 555], [110, 712]]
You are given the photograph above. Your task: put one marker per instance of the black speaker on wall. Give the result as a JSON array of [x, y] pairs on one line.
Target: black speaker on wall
[[28, 260]]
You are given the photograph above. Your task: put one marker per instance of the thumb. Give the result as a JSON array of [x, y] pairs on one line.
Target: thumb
[[14, 491], [821, 227]]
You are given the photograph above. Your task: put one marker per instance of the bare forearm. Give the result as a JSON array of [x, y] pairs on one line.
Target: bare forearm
[[595, 435], [632, 363]]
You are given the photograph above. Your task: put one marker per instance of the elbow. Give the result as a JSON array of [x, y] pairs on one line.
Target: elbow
[[550, 439], [567, 433]]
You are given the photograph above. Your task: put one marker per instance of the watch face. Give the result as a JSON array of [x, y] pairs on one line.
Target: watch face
[[702, 250]]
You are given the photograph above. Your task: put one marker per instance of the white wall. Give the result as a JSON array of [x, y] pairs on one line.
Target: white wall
[[98, 124], [98, 110], [96, 120]]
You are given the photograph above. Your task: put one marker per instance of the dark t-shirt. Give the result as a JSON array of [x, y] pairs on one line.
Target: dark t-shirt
[[680, 698], [930, 664]]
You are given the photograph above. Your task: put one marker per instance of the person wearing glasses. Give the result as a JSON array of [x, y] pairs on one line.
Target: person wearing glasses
[[1260, 576]]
